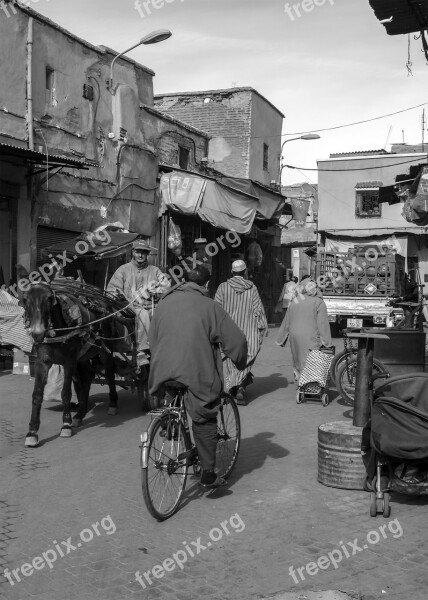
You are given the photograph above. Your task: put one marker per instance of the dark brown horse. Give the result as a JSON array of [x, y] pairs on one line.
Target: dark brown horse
[[78, 349]]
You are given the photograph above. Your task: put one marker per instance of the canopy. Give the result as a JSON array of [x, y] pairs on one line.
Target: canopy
[[226, 202], [118, 244]]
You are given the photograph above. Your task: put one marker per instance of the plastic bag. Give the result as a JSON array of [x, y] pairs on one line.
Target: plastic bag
[[175, 243]]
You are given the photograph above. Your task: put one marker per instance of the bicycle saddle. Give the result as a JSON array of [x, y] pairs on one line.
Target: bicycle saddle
[[176, 385]]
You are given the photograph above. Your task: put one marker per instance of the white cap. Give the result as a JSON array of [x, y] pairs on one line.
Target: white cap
[[238, 266]]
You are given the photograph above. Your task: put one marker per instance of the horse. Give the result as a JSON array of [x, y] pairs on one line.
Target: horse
[[76, 350]]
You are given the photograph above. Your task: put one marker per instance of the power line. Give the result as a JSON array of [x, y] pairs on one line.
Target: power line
[[324, 129], [358, 122], [347, 170]]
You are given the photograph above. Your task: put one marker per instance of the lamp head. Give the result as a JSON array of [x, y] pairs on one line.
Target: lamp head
[[156, 36], [310, 136]]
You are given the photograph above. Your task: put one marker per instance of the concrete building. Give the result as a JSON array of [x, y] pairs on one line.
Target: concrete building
[[56, 106], [244, 128], [350, 212]]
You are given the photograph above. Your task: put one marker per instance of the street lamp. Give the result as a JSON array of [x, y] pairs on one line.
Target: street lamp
[[152, 38], [306, 136]]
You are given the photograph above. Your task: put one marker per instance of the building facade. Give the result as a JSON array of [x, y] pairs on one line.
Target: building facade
[[244, 128], [350, 211], [95, 165]]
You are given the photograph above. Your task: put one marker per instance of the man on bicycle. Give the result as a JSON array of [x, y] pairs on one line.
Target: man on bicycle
[[185, 336]]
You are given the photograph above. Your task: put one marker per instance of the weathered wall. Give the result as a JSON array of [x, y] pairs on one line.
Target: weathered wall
[[266, 127], [166, 134], [226, 117], [13, 37], [336, 191], [74, 126]]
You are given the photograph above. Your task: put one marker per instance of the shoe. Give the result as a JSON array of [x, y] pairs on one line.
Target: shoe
[[142, 359], [240, 398], [210, 480]]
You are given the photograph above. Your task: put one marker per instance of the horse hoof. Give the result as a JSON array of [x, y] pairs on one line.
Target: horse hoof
[[112, 410], [66, 431], [76, 422], [31, 440]]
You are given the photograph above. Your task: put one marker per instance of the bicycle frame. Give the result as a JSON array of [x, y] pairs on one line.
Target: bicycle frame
[[176, 409]]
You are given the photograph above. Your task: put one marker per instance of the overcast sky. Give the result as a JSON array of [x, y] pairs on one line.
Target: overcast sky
[[330, 66]]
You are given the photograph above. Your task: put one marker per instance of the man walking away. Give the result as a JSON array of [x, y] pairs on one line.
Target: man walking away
[[240, 299], [185, 336]]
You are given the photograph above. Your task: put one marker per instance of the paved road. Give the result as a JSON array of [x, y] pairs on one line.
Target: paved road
[[81, 497]]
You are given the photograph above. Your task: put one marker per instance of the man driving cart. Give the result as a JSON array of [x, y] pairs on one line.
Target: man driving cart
[[141, 283]]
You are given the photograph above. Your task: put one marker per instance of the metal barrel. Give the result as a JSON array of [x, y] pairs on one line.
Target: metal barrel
[[339, 456]]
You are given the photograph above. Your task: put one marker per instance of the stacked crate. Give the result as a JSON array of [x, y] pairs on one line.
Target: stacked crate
[[361, 272]]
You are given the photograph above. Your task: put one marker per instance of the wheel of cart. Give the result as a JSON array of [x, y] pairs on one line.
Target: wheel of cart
[[312, 383]]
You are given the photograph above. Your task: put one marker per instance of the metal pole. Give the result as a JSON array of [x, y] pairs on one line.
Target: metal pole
[[363, 375]]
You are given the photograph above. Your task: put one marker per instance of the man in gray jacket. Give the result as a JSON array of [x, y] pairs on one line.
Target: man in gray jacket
[[185, 336]]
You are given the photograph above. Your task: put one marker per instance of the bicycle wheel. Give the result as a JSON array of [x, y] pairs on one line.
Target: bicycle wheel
[[229, 436], [164, 478], [347, 376], [337, 363]]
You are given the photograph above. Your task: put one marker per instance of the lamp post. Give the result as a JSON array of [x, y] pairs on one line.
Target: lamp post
[[306, 136], [152, 38]]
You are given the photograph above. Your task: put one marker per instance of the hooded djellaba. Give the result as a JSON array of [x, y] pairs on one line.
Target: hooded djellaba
[[240, 299], [306, 324]]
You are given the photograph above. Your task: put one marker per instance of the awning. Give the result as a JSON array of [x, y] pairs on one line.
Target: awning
[[84, 205], [342, 244], [118, 244], [270, 203], [39, 158], [226, 202], [362, 233]]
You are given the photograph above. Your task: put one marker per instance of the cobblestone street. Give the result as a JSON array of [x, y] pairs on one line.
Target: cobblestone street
[[279, 515]]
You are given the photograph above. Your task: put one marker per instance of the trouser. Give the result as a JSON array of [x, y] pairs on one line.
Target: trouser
[[206, 439], [142, 324]]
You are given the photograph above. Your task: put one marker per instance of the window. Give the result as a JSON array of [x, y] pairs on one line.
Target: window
[[183, 157], [50, 85], [265, 157], [367, 200]]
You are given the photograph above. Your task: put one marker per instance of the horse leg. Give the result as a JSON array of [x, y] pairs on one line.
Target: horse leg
[[84, 386], [41, 377], [66, 429], [110, 374]]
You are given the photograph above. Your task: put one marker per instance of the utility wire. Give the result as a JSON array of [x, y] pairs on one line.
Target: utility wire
[[347, 170], [326, 128]]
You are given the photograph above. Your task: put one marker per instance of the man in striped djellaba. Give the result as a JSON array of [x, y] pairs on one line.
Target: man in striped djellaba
[[240, 299]]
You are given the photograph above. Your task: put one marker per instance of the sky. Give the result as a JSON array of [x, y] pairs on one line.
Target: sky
[[329, 65]]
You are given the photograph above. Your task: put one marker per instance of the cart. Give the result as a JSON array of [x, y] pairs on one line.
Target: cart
[[94, 268], [313, 379]]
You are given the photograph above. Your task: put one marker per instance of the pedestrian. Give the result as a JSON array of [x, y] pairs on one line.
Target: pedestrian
[[306, 324], [185, 336], [287, 294], [140, 283], [240, 299]]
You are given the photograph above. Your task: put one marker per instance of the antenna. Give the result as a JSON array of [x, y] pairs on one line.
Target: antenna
[[402, 131], [388, 136], [423, 128]]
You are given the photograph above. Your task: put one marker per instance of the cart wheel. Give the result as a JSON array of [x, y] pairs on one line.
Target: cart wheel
[[325, 399], [386, 507], [300, 397], [373, 504]]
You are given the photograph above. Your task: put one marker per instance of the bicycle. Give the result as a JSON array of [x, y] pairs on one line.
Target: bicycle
[[167, 451]]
